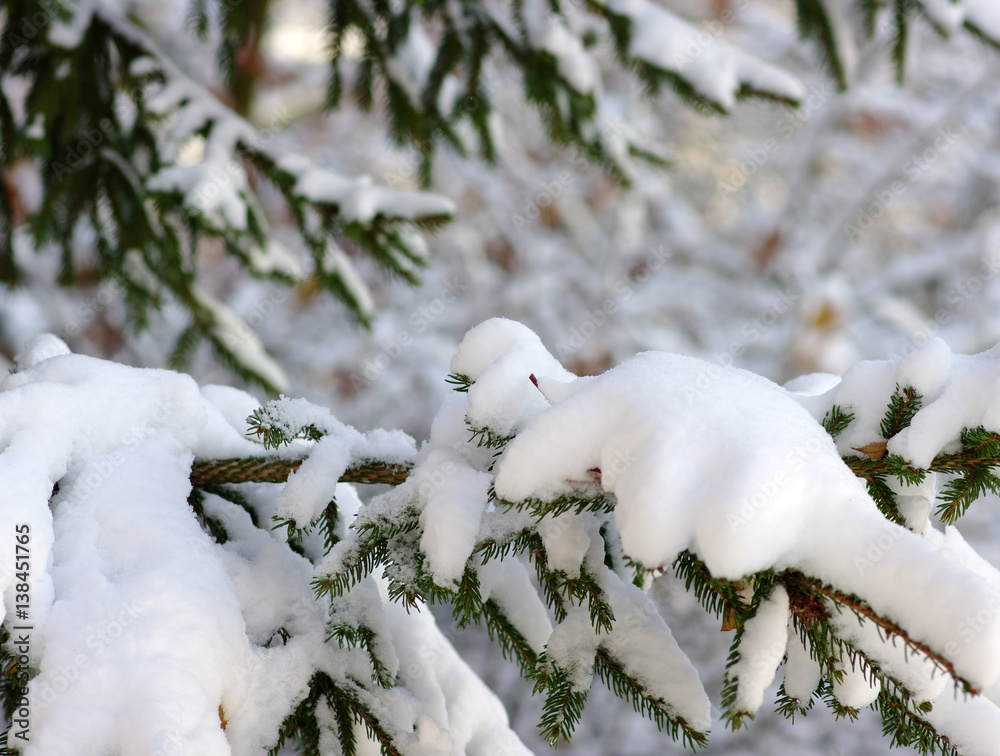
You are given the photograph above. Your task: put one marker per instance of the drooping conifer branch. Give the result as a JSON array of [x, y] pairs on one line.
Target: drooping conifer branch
[[863, 610]]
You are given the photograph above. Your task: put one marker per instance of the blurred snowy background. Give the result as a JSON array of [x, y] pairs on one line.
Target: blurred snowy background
[[782, 241]]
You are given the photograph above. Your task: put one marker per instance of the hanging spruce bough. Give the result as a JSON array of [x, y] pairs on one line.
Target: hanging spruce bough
[[140, 165], [188, 571]]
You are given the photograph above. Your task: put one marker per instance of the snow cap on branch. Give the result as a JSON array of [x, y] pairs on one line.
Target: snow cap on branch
[[727, 464]]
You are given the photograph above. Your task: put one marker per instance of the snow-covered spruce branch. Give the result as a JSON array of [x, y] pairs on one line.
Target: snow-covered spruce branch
[[813, 603], [155, 164], [570, 438], [306, 631]]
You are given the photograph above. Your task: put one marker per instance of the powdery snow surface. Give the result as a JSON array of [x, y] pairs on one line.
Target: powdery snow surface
[[500, 355], [144, 631], [765, 640]]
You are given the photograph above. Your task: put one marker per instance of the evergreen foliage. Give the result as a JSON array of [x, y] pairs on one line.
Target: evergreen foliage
[[388, 538], [107, 116]]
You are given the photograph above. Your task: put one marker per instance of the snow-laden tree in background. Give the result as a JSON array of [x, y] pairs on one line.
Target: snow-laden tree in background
[[144, 171], [173, 585]]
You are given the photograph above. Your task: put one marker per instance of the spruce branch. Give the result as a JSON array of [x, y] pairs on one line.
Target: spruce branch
[[577, 502], [459, 382], [614, 674], [149, 213], [862, 610], [790, 707], [907, 729], [722, 598], [513, 644], [348, 705], [973, 464], [836, 420], [901, 29], [814, 23], [516, 543], [216, 529], [274, 429], [903, 405], [563, 702], [901, 714], [960, 492], [276, 470], [362, 636], [762, 584]]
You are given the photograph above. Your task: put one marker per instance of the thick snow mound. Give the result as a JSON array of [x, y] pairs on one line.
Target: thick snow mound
[[144, 634], [727, 464], [696, 455]]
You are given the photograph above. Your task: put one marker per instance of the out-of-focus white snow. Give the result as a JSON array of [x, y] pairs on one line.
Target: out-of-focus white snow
[[548, 31], [713, 68], [237, 337], [358, 200]]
